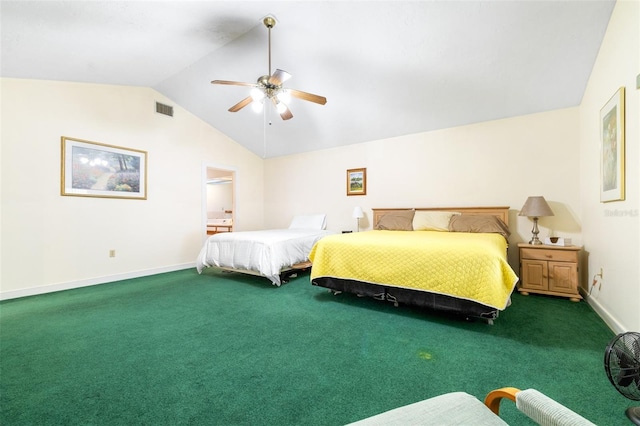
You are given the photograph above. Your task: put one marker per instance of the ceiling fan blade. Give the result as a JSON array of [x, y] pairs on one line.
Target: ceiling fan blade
[[279, 77], [243, 103], [282, 109], [308, 96], [286, 114], [234, 83]]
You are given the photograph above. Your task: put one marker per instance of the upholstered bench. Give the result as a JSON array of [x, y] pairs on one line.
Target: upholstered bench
[[460, 408]]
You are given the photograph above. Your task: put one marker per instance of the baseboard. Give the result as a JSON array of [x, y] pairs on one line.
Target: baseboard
[[613, 324], [33, 291]]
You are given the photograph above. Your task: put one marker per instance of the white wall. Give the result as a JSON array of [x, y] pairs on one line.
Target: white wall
[[219, 199], [52, 242], [497, 163], [611, 231]]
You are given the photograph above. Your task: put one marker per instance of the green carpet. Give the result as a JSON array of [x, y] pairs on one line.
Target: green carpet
[[230, 349]]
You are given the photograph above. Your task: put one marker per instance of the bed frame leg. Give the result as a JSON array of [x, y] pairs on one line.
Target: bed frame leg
[[392, 299], [380, 296], [285, 277], [490, 319]]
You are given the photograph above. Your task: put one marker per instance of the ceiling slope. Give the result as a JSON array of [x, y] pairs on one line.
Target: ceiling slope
[[387, 68]]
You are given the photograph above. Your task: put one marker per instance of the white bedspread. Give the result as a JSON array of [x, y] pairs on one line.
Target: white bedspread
[[267, 252]]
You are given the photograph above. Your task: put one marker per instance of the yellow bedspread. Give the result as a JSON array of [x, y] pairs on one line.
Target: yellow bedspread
[[470, 266]]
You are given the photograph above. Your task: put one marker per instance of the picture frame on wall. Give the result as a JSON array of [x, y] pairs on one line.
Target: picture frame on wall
[[92, 169], [612, 152], [357, 181]]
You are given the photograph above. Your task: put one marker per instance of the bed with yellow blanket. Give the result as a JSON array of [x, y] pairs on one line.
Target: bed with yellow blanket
[[459, 269]]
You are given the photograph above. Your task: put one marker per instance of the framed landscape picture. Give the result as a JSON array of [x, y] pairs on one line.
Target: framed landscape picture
[[92, 169], [612, 172], [357, 181]]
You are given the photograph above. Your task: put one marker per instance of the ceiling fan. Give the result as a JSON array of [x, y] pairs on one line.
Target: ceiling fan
[[269, 87]]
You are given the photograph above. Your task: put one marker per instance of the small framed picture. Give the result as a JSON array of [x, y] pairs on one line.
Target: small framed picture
[[92, 169], [357, 181], [612, 149]]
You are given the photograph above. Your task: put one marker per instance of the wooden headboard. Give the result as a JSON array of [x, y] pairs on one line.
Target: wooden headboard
[[500, 212]]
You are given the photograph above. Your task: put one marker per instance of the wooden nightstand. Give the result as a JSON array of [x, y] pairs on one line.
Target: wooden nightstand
[[549, 270]]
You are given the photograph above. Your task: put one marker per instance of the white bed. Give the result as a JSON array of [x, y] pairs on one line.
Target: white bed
[[268, 253]]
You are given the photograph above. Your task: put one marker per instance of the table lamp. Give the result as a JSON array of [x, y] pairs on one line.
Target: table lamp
[[358, 214], [535, 207]]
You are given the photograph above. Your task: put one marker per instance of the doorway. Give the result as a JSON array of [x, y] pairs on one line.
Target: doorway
[[219, 202]]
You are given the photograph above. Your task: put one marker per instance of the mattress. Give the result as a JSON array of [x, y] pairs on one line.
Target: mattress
[[267, 252], [469, 266]]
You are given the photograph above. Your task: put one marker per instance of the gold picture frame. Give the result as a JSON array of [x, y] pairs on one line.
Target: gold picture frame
[[612, 155], [92, 169], [357, 181]]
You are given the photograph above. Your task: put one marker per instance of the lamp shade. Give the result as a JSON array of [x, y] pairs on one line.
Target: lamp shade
[[536, 207], [357, 213]]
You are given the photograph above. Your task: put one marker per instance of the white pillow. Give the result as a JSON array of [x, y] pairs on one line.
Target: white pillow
[[313, 221], [432, 220]]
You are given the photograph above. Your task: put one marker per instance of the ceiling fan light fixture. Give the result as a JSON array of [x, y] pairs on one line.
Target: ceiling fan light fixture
[[281, 107], [284, 96], [257, 106], [257, 94]]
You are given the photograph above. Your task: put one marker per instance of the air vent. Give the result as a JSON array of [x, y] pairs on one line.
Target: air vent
[[164, 109]]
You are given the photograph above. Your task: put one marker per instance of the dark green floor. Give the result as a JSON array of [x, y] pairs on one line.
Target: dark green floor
[[219, 348]]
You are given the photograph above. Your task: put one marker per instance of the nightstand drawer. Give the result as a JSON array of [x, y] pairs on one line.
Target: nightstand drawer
[[555, 255]]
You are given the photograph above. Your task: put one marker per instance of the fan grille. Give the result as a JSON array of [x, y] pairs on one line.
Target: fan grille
[[622, 364]]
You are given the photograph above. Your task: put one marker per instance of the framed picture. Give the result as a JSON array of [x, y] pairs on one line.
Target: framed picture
[[357, 182], [612, 149], [91, 169]]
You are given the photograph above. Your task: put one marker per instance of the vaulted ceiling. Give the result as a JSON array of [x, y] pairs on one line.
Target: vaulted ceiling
[[387, 68]]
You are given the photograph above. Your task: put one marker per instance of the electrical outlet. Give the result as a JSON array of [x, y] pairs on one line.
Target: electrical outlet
[[112, 253]]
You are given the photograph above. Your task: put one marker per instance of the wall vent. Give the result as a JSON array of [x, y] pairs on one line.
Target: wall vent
[[164, 109]]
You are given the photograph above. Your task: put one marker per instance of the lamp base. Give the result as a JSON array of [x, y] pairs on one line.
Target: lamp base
[[534, 238]]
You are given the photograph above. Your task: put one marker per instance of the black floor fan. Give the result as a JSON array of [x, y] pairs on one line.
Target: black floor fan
[[622, 364]]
